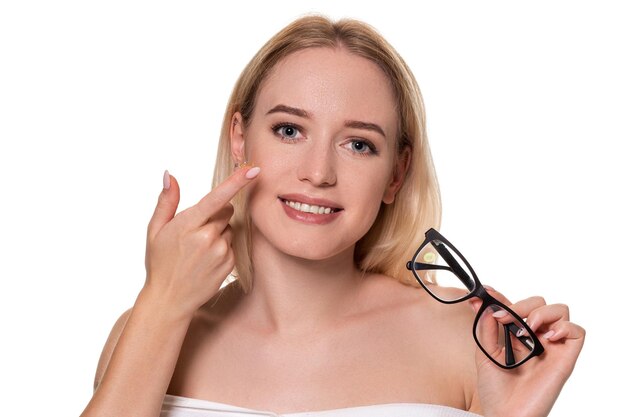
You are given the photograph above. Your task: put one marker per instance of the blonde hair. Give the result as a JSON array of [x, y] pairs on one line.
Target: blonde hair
[[400, 226]]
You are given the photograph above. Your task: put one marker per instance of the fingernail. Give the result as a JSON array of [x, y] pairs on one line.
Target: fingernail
[[253, 172], [166, 180], [499, 314], [549, 334], [521, 332], [487, 287]]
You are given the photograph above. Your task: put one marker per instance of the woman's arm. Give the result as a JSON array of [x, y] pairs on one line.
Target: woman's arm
[[109, 347], [188, 255], [138, 361]]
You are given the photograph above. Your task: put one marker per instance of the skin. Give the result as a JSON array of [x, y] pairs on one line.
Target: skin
[[314, 333]]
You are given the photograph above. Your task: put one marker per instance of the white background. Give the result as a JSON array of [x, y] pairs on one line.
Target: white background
[[525, 106]]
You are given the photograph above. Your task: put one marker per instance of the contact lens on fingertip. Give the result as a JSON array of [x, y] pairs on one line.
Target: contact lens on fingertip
[[243, 164]]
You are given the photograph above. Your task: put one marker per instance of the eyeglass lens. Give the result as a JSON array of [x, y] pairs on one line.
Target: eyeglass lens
[[503, 337], [436, 263]]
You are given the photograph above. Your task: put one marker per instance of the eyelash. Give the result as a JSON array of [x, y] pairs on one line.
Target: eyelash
[[277, 127]]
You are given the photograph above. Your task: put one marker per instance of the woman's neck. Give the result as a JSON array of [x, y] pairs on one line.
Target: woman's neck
[[292, 296]]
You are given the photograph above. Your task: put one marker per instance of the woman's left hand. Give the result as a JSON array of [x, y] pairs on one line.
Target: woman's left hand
[[532, 388]]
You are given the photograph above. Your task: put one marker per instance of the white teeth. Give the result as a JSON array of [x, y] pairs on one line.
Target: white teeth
[[306, 208]]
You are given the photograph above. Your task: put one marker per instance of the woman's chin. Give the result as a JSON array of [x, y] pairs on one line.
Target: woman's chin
[[315, 254]]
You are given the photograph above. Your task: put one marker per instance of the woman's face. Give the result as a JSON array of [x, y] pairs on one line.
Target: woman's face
[[323, 132]]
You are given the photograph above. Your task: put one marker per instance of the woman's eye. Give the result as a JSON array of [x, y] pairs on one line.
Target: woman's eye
[[288, 132], [362, 147]]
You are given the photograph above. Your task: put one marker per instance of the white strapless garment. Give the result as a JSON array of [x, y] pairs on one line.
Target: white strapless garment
[[175, 406]]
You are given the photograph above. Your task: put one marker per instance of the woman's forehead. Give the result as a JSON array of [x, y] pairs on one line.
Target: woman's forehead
[[326, 81]]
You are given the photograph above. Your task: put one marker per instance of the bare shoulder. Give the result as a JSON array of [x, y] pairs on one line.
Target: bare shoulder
[[440, 335], [109, 346], [414, 301]]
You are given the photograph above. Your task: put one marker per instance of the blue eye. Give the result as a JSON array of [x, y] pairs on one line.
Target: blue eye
[[287, 131], [362, 147]]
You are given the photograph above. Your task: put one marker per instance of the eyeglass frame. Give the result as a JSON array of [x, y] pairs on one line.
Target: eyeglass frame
[[478, 291]]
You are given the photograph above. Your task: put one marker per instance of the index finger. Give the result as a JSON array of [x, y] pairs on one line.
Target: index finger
[[221, 195]]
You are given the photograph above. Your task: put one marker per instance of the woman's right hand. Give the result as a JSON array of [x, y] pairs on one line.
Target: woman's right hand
[[189, 254]]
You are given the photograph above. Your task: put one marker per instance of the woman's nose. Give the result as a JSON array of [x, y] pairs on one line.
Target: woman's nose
[[318, 167]]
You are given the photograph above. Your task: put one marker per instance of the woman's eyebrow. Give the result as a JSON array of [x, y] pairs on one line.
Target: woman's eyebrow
[[355, 124], [291, 110]]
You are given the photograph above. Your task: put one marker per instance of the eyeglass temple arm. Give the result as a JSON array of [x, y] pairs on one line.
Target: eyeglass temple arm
[[526, 340], [419, 266], [509, 355]]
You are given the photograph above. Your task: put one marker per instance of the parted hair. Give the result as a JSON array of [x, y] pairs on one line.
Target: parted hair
[[399, 226]]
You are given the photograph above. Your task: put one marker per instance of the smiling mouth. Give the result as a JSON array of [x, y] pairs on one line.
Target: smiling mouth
[[309, 208]]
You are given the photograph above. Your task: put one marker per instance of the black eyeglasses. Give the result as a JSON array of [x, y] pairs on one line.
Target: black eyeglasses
[[502, 335]]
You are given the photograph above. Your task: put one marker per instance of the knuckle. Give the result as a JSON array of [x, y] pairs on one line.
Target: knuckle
[[221, 248], [532, 317], [207, 234], [565, 309], [162, 200]]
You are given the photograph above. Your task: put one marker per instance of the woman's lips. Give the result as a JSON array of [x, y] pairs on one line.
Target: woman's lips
[[310, 210], [310, 201]]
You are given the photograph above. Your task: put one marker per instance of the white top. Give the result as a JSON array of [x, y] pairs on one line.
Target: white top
[[175, 406]]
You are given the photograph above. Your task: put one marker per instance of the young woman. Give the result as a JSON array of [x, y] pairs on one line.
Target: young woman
[[323, 190]]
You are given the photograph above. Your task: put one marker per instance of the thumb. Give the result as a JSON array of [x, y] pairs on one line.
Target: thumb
[[166, 205]]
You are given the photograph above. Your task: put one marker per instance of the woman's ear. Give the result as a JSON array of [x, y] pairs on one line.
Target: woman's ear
[[399, 173], [237, 143]]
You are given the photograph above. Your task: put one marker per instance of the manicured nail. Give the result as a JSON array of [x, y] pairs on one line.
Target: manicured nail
[[549, 334], [500, 314], [253, 172], [166, 180], [521, 332]]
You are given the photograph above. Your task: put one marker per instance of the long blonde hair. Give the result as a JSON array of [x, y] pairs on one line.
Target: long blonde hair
[[400, 226]]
